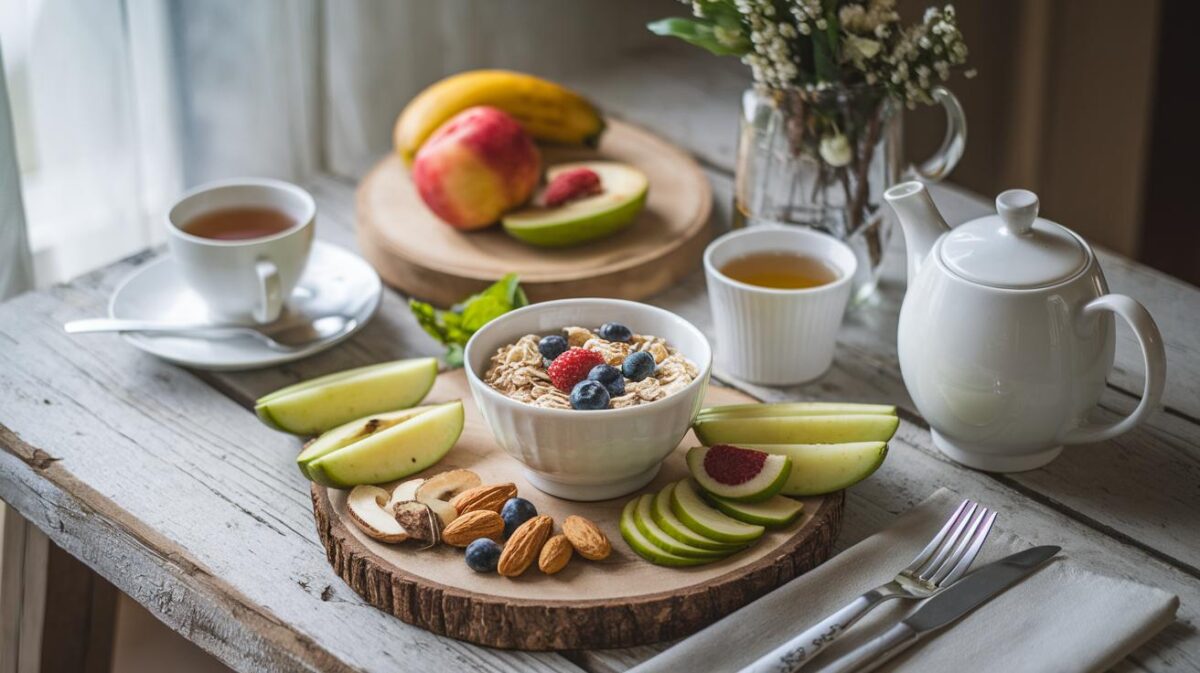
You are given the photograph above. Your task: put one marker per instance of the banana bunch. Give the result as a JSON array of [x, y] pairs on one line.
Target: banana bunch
[[547, 111]]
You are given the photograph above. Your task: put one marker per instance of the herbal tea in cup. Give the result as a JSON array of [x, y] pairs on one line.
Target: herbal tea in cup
[[777, 296], [780, 270]]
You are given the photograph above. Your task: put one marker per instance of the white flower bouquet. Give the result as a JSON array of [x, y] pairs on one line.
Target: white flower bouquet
[[834, 74]]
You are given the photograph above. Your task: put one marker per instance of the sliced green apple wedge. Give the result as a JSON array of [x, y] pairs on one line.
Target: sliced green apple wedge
[[643, 519], [736, 473], [698, 516], [774, 513], [622, 197], [796, 409], [797, 429], [314, 406], [825, 468], [348, 433], [647, 549], [383, 448], [670, 524]]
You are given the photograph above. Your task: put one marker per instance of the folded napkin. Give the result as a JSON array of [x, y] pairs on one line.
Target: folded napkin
[[1061, 619]]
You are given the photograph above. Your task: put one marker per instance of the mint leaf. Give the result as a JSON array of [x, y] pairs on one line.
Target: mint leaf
[[454, 327]]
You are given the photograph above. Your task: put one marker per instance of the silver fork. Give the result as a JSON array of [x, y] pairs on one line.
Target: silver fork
[[946, 558]]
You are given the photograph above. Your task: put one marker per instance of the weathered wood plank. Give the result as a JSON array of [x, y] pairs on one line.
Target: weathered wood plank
[[22, 594], [184, 501]]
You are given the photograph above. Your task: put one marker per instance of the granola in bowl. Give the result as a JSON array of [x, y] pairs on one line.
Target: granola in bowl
[[521, 371]]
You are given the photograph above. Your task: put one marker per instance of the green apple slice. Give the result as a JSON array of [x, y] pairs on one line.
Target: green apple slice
[[697, 515], [771, 477], [797, 429], [348, 433], [314, 406], [588, 218], [385, 452], [647, 549], [759, 410], [670, 524], [825, 468], [644, 521], [774, 513]]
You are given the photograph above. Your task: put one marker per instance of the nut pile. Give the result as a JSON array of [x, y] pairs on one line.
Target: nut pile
[[499, 531]]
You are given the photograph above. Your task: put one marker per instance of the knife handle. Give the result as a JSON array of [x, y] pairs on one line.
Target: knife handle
[[875, 652], [798, 651]]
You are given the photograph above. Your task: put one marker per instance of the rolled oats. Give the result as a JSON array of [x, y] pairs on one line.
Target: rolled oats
[[518, 372]]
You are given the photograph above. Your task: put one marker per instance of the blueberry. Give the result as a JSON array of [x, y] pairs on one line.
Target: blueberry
[[609, 377], [515, 512], [552, 346], [589, 395], [615, 331], [482, 555], [638, 366]]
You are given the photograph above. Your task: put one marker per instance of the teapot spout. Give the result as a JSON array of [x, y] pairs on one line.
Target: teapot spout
[[920, 220]]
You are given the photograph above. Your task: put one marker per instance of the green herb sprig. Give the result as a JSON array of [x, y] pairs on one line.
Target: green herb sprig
[[453, 327]]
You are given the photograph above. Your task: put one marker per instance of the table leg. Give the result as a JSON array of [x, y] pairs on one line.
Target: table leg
[[56, 615]]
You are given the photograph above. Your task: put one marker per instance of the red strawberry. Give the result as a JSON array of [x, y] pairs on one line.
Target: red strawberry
[[570, 185], [572, 367]]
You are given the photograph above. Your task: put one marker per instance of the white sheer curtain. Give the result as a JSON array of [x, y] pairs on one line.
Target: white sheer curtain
[[117, 106], [16, 268]]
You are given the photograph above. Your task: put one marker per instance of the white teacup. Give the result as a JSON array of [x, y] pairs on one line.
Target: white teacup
[[250, 279], [777, 336]]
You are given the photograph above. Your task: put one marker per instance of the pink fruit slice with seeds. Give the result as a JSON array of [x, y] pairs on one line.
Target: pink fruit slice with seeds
[[734, 473]]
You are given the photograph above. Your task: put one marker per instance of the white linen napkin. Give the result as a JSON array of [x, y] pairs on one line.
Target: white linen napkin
[[1063, 618]]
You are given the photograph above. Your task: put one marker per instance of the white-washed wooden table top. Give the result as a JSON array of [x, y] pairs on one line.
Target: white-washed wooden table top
[[163, 481]]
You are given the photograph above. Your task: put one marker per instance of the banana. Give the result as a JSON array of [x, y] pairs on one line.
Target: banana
[[547, 111]]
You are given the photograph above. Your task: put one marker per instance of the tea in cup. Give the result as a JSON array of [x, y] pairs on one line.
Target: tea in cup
[[242, 245], [778, 295]]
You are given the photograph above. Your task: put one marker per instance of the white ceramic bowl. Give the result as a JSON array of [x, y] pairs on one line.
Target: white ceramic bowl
[[588, 455]]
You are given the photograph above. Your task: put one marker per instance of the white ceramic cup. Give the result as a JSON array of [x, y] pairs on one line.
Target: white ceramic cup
[[243, 280], [773, 336]]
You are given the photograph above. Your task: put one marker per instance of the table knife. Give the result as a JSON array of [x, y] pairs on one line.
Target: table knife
[[943, 609]]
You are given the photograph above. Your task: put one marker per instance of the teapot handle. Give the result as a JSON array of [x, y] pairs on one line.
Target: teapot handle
[[1153, 356], [938, 166]]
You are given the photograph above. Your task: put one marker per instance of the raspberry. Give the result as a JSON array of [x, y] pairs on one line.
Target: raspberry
[[572, 367], [570, 185], [732, 465]]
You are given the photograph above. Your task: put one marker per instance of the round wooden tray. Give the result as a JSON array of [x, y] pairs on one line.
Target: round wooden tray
[[422, 256], [619, 602]]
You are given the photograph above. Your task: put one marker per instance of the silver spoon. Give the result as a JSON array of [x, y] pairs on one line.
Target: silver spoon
[[283, 336]]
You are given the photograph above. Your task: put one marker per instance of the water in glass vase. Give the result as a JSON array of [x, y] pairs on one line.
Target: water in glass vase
[[780, 270]]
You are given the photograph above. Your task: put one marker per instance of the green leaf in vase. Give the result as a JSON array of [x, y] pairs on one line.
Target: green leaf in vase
[[704, 34]]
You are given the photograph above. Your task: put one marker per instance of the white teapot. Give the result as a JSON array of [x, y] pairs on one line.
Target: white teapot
[[1006, 334]]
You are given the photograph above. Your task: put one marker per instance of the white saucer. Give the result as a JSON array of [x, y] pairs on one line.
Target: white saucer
[[336, 281]]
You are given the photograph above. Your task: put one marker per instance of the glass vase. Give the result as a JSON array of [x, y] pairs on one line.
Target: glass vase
[[823, 159]]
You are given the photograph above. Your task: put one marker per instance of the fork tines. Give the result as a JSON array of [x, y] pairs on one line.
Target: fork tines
[[950, 553]]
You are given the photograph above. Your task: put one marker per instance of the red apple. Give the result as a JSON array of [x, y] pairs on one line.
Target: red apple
[[476, 166]]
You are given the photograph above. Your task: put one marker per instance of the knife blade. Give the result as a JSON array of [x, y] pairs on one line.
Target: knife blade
[[946, 607]]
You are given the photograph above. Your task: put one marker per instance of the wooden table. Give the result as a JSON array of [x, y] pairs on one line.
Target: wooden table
[[162, 482]]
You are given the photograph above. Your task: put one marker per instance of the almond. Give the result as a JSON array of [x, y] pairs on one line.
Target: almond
[[524, 546], [555, 554], [490, 497], [473, 525], [587, 538]]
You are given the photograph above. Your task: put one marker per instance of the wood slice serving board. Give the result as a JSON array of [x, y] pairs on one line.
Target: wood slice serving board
[[619, 602], [422, 256]]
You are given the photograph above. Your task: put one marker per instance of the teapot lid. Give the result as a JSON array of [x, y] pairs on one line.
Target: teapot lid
[[1014, 249]]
